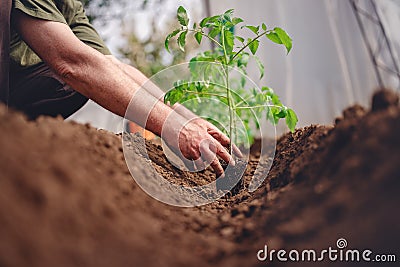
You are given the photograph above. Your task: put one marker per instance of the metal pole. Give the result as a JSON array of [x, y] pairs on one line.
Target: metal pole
[[5, 12], [208, 14], [364, 35], [388, 43]]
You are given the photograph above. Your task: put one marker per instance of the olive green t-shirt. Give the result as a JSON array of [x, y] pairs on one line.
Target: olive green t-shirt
[[69, 12]]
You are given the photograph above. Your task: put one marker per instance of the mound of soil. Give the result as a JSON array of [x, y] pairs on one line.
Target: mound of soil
[[67, 197]]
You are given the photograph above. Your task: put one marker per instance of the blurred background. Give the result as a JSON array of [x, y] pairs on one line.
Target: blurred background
[[342, 49]]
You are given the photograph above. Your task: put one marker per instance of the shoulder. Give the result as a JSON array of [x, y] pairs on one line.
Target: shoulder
[[70, 9], [41, 9], [68, 4]]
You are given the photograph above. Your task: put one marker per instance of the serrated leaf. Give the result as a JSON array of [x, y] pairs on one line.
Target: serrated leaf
[[214, 19], [275, 100], [169, 36], [260, 66], [291, 119], [228, 41], [257, 123], [199, 87], [182, 16], [236, 21], [204, 21], [255, 92], [243, 81], [264, 27], [285, 38], [267, 90], [240, 39], [214, 32], [228, 24], [227, 17], [270, 116], [274, 37], [253, 28], [253, 46], [198, 36], [229, 12], [173, 96], [182, 41], [259, 99], [282, 114]]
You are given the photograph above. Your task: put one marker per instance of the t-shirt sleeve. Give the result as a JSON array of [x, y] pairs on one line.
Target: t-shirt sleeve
[[42, 9], [69, 12], [82, 28]]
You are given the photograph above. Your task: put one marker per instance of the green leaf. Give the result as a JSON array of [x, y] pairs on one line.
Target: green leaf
[[182, 40], [274, 37], [228, 14], [269, 115], [253, 28], [204, 21], [275, 100], [291, 119], [259, 99], [264, 27], [199, 87], [282, 114], [173, 96], [228, 41], [172, 34], [214, 19], [285, 38], [198, 36], [253, 46], [260, 66], [194, 26], [182, 16], [236, 21], [243, 81], [214, 32], [240, 39], [267, 90]]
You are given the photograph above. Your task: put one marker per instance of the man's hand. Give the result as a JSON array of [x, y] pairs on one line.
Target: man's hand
[[200, 141], [218, 135]]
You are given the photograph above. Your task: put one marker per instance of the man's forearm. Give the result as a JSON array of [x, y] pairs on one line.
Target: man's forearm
[[150, 87], [117, 91]]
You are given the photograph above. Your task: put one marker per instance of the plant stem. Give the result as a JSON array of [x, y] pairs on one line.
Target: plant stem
[[244, 101], [228, 95], [247, 45], [260, 106], [208, 36], [200, 93], [231, 111]]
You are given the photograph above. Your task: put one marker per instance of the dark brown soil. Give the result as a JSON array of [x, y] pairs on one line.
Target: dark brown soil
[[67, 198]]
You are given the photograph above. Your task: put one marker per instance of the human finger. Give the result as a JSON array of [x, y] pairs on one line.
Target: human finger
[[211, 157], [222, 152], [219, 171], [224, 140]]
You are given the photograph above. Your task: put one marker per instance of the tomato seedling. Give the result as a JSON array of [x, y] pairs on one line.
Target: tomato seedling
[[231, 52]]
